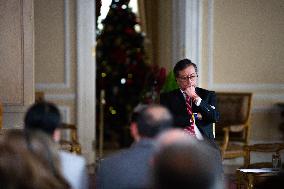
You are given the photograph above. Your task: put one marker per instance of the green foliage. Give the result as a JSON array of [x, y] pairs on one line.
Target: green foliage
[[170, 83]]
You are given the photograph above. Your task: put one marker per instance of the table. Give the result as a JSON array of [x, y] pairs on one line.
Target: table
[[248, 177]]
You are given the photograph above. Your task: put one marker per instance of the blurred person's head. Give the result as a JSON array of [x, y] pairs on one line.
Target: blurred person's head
[[181, 161], [29, 160], [150, 121], [44, 116], [137, 109], [172, 136]]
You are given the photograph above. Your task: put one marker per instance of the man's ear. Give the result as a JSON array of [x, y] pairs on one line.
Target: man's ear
[[134, 131], [56, 135]]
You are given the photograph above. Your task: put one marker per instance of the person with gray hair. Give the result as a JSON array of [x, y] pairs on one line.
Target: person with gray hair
[[131, 167]]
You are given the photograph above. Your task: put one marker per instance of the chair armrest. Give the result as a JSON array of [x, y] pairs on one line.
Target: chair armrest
[[72, 144], [225, 140], [265, 147]]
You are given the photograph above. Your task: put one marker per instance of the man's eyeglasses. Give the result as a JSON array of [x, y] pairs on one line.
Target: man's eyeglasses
[[186, 78]]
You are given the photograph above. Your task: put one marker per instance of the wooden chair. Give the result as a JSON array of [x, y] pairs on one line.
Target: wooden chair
[[261, 148], [69, 138], [39, 96], [250, 178], [232, 131]]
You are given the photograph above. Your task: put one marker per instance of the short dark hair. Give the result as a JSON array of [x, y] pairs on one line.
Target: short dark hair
[[43, 116], [182, 64], [150, 124]]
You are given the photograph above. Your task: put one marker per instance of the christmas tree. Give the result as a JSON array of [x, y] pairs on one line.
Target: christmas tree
[[121, 68]]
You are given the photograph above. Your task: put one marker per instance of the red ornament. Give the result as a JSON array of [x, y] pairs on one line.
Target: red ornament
[[129, 82], [129, 31]]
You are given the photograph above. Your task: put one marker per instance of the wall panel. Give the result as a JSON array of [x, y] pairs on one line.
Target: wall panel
[[16, 59]]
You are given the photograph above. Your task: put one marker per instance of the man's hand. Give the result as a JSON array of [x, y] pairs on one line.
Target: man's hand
[[190, 91]]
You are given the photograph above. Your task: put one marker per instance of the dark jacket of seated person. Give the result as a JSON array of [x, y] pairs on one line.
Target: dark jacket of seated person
[[202, 101], [130, 168]]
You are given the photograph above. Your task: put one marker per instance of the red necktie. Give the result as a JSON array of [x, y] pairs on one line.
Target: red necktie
[[189, 129]]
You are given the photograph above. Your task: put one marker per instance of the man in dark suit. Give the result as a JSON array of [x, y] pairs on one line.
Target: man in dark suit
[[131, 168], [202, 101]]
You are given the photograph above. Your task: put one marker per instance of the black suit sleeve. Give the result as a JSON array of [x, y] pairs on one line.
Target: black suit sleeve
[[181, 121], [208, 108]]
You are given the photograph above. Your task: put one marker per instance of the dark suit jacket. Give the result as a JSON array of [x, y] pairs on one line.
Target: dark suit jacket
[[175, 102], [127, 169]]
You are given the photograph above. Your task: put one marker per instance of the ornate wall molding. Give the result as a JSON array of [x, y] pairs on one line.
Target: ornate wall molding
[[263, 88], [65, 113], [17, 53], [67, 55], [69, 96], [229, 86]]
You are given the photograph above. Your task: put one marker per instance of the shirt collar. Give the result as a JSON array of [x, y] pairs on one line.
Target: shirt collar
[[183, 93]]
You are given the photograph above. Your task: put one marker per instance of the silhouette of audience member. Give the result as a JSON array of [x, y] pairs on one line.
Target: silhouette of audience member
[[45, 116], [172, 136], [177, 134], [182, 161], [130, 168], [29, 161]]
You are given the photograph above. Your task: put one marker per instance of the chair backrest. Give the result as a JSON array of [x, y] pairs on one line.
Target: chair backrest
[[261, 148], [39, 96], [69, 138], [235, 111]]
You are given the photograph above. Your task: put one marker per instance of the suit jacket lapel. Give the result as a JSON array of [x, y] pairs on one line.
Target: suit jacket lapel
[[180, 101]]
